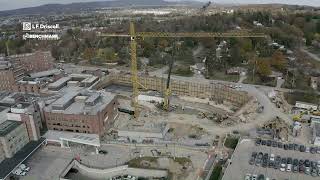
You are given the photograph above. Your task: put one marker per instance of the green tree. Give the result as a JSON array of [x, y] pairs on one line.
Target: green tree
[[263, 67], [278, 60], [107, 54], [89, 53]]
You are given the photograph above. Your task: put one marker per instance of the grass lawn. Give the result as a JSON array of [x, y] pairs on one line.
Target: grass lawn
[[305, 97], [301, 82], [136, 163], [231, 142], [182, 71], [216, 173]]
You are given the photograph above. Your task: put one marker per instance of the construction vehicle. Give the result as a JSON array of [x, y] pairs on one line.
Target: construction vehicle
[[316, 113], [133, 35], [7, 46]]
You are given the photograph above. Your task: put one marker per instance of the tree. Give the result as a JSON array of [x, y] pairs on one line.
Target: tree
[[163, 43], [278, 60], [107, 54], [89, 53], [263, 67]]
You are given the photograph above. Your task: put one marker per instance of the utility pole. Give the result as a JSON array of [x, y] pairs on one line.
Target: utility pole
[[254, 65]]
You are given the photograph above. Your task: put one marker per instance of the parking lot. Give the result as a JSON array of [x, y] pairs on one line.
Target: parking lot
[[47, 163], [240, 162]]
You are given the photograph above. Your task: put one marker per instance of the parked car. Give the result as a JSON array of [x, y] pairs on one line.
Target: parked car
[[289, 160], [269, 143], [247, 177], [280, 145], [283, 164], [307, 150], [301, 168], [272, 157], [313, 150], [314, 172], [291, 146], [302, 148], [254, 177], [103, 152], [307, 170], [258, 142], [261, 177], [263, 142]]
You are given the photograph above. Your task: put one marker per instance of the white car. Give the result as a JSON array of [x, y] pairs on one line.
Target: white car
[[254, 177], [247, 177], [289, 167], [307, 150], [272, 157], [27, 169], [17, 171], [318, 164], [22, 166]]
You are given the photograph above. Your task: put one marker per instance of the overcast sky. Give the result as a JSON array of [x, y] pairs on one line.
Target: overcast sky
[[14, 4]]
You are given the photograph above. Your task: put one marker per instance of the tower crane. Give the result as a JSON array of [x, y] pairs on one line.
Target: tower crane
[[133, 35], [7, 47]]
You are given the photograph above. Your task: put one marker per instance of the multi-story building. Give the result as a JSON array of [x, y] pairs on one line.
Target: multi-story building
[[9, 75], [13, 71], [12, 78], [30, 116], [82, 112], [314, 82], [13, 137]]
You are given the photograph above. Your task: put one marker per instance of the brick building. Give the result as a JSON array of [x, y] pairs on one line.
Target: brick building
[[85, 112], [13, 72], [11, 79]]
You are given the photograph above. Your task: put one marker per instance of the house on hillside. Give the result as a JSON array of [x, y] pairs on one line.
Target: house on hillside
[[314, 82]]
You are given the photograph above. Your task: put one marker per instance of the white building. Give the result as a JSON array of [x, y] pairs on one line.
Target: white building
[[307, 106]]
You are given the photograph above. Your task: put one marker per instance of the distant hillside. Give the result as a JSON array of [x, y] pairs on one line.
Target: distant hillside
[[76, 7]]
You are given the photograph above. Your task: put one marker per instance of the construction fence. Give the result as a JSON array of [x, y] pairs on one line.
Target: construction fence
[[217, 92]]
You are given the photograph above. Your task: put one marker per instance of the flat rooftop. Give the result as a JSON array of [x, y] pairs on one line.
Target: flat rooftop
[[59, 82], [240, 162], [94, 103], [44, 73], [7, 126]]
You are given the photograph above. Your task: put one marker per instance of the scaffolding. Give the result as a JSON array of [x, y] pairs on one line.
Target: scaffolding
[[218, 92]]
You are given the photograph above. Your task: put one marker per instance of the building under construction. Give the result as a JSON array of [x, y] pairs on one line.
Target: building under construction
[[217, 92]]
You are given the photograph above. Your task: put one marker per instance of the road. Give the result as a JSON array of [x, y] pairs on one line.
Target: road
[[314, 56]]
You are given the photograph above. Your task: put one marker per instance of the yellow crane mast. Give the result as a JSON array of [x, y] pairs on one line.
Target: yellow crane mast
[[133, 45]]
